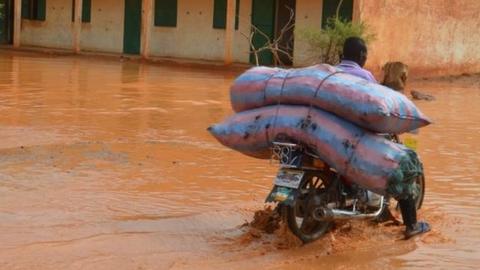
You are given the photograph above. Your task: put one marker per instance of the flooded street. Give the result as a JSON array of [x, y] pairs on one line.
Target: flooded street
[[107, 164]]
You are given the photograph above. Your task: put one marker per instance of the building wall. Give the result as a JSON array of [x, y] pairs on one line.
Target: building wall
[[433, 37], [308, 16], [105, 31], [195, 38], [55, 31]]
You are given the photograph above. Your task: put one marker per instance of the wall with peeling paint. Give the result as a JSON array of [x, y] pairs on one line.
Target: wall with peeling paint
[[105, 31], [433, 37], [194, 36], [55, 31], [308, 15]]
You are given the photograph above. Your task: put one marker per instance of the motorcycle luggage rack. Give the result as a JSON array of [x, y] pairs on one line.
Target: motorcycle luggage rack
[[289, 155], [286, 154]]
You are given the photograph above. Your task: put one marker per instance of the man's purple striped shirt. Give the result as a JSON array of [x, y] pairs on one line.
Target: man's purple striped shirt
[[353, 68]]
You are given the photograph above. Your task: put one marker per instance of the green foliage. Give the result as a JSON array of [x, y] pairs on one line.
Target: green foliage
[[326, 44]]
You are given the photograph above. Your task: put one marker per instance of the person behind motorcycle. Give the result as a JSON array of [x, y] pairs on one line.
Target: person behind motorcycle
[[353, 59]]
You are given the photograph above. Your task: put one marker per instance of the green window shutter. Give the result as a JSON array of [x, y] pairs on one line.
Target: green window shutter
[[26, 9], [237, 14], [329, 10], [41, 9], [73, 10], [86, 11], [220, 14], [166, 13]]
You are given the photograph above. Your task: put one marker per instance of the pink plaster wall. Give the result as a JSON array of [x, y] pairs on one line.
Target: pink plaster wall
[[434, 37]]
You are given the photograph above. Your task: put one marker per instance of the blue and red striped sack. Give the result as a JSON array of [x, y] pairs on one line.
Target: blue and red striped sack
[[363, 157], [368, 105]]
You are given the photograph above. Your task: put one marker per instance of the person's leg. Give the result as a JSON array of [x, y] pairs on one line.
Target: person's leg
[[409, 215]]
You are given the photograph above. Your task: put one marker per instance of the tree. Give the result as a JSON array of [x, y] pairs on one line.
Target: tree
[[327, 44]]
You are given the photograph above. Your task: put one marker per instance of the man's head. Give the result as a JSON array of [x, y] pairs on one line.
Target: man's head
[[354, 49]]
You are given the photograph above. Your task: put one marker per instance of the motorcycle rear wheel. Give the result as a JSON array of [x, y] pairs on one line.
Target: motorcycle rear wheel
[[299, 216]]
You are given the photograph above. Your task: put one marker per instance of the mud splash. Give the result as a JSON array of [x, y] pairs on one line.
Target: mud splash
[[253, 245], [268, 228]]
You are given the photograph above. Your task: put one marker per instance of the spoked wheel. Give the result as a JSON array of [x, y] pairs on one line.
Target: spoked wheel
[[299, 216]]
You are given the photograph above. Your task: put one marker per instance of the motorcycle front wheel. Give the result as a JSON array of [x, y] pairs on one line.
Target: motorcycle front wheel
[[389, 207], [299, 216], [420, 181]]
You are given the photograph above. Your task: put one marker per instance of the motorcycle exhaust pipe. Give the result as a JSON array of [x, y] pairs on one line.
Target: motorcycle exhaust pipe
[[327, 214]]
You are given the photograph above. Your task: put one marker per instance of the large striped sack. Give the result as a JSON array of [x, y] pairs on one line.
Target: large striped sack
[[362, 157], [369, 105]]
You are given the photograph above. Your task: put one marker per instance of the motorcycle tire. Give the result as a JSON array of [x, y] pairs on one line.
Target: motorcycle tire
[[421, 185], [316, 230], [418, 200], [300, 220]]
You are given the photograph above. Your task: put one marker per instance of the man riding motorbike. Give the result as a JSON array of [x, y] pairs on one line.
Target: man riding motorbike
[[353, 59]]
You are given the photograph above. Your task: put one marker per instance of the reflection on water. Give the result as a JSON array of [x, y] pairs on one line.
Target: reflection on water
[[109, 163]]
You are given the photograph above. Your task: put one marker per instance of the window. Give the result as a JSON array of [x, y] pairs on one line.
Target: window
[[329, 10], [34, 9], [220, 14], [86, 10], [166, 13]]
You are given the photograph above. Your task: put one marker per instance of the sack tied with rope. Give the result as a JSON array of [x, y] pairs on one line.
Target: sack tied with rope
[[372, 106], [363, 157]]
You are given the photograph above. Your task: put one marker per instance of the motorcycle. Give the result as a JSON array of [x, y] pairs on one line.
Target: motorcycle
[[310, 195]]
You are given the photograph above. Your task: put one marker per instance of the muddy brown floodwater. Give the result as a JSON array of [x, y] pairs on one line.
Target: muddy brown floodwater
[[107, 165]]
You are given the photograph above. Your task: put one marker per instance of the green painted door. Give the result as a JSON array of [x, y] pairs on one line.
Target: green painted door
[[133, 26], [6, 21], [263, 18]]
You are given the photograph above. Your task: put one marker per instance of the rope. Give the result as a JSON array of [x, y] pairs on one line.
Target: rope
[[278, 99], [265, 98], [308, 117], [318, 89]]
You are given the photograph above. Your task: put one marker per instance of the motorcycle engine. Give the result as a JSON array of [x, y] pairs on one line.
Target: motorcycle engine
[[368, 198]]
